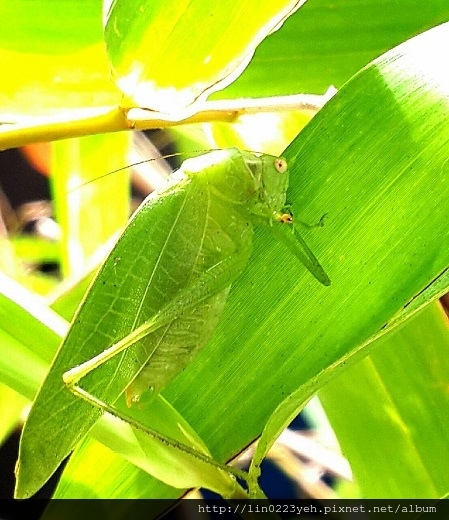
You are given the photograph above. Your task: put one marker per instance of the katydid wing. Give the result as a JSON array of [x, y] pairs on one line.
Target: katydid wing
[[173, 287]]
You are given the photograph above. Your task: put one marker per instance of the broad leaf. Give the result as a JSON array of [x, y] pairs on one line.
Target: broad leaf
[[391, 406], [380, 174]]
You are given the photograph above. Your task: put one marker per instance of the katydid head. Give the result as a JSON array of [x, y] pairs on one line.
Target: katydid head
[[256, 182], [271, 174]]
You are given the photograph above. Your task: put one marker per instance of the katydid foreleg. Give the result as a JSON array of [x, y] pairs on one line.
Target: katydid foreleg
[[298, 246]]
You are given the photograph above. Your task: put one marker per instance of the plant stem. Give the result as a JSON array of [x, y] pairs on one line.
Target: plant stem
[[76, 123]]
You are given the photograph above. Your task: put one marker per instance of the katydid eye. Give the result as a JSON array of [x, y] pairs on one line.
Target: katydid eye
[[280, 164]]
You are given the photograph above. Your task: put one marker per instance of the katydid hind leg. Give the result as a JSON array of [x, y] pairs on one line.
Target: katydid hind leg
[[162, 438]]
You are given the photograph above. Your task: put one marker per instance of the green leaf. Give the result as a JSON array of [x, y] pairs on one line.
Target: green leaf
[[70, 25], [325, 43], [387, 184], [52, 58], [81, 204], [88, 475], [152, 68], [35, 249], [182, 469], [389, 407], [28, 321], [375, 160], [23, 369], [11, 408], [322, 44], [380, 174]]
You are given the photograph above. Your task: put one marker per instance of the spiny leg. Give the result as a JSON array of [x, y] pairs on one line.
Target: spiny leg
[[172, 443]]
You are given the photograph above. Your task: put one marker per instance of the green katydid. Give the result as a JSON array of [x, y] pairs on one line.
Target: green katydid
[[198, 242]]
